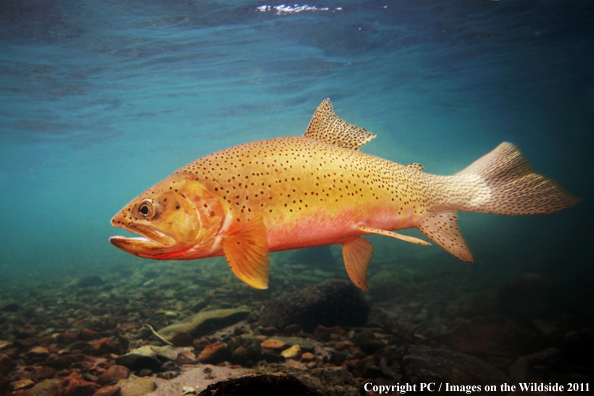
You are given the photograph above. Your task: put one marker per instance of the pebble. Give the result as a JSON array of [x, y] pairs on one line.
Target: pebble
[[75, 385], [342, 345], [306, 345], [104, 346], [200, 344], [188, 390], [114, 374], [48, 387], [214, 353], [22, 384], [274, 345], [38, 352], [269, 331], [6, 364], [371, 346], [324, 333], [88, 335], [245, 350], [184, 358], [182, 338], [41, 373], [307, 357], [112, 390], [136, 387], [292, 353]]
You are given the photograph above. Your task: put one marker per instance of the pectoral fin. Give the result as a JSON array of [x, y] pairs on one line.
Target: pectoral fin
[[443, 229], [391, 234], [246, 252], [357, 254]]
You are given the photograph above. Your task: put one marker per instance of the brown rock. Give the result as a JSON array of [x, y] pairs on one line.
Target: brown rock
[[48, 387], [88, 335], [292, 329], [351, 364], [114, 374], [66, 360], [182, 339], [274, 345], [66, 338], [137, 386], [104, 346], [48, 340], [6, 364], [112, 390], [184, 358], [75, 385], [269, 331], [22, 384], [38, 352], [200, 344], [42, 373], [307, 357], [341, 345], [370, 346], [214, 353], [324, 333]]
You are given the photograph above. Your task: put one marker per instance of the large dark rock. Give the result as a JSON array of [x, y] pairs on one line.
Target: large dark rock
[[425, 365], [331, 381], [261, 385], [332, 303]]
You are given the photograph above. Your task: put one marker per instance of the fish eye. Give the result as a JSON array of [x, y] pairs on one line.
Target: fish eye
[[146, 209]]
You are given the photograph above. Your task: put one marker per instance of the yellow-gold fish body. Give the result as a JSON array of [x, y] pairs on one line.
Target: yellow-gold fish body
[[320, 189]]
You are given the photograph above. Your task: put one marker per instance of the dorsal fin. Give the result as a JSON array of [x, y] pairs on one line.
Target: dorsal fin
[[416, 166], [327, 127]]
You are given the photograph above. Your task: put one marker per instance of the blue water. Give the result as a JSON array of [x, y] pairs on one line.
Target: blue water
[[99, 100]]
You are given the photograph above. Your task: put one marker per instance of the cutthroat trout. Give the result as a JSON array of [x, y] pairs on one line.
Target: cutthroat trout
[[320, 189]]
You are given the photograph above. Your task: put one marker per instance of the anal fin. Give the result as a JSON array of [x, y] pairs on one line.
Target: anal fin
[[392, 234], [443, 229], [246, 252], [357, 254]]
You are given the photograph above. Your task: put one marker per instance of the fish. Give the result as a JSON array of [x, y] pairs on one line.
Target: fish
[[321, 189]]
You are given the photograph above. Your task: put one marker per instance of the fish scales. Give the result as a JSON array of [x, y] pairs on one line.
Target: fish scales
[[319, 189], [299, 184]]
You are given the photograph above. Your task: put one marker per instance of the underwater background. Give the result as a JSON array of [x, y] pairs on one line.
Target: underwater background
[[101, 99]]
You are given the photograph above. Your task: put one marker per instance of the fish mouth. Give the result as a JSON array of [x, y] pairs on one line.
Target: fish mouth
[[150, 241]]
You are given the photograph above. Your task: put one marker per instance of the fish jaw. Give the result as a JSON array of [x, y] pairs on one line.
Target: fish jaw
[[150, 242]]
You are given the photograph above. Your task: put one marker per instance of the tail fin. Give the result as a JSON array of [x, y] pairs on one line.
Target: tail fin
[[501, 182], [505, 183]]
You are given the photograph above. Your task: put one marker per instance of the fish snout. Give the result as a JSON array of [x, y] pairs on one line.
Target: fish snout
[[119, 219]]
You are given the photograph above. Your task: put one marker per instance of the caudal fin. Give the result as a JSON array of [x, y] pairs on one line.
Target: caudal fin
[[503, 182]]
